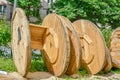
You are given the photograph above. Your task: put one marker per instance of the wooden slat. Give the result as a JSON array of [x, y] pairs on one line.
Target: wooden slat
[[87, 38], [37, 32]]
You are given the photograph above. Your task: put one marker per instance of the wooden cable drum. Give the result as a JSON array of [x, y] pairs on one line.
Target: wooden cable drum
[[115, 48], [75, 48], [93, 46], [21, 49], [56, 45], [108, 62]]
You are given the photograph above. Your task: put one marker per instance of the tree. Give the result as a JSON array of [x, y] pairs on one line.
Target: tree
[[105, 12], [31, 7]]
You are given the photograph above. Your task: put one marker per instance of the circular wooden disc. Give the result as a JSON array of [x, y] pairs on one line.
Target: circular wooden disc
[[108, 62], [21, 41], [93, 46], [75, 48], [56, 45], [115, 48]]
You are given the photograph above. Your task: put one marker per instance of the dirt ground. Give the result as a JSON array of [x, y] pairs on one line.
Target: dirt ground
[[48, 76]]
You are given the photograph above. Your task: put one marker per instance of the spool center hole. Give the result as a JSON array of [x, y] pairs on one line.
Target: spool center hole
[[19, 35]]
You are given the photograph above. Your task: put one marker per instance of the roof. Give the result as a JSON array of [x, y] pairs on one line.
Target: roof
[[3, 2]]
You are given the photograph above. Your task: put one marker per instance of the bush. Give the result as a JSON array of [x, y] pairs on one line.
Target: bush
[[5, 36], [107, 34], [7, 64], [37, 63]]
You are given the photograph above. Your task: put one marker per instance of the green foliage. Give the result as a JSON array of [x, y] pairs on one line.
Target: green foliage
[[68, 78], [1, 53], [115, 70], [107, 34], [5, 35], [101, 72], [31, 7], [6, 64], [37, 63], [83, 72], [105, 12]]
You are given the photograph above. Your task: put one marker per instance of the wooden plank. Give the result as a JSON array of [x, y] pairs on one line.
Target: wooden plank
[[21, 48], [37, 32], [87, 38]]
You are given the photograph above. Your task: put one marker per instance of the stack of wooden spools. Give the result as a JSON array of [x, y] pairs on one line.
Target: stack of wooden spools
[[65, 46]]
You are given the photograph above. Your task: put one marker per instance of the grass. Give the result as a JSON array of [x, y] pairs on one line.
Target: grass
[[107, 34], [83, 72], [68, 78], [6, 64], [37, 64], [115, 70]]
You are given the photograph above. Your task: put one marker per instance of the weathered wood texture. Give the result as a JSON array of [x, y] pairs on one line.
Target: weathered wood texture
[[75, 48], [93, 46], [108, 62], [64, 45], [56, 45], [21, 49], [115, 48], [37, 32]]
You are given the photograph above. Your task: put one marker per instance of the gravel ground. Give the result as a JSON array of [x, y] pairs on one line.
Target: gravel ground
[[48, 76]]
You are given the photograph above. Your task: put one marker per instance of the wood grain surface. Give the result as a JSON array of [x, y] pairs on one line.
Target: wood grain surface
[[21, 49], [75, 47], [93, 46], [115, 47], [56, 45]]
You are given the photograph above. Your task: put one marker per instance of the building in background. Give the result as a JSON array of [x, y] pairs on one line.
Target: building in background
[[46, 4], [6, 9]]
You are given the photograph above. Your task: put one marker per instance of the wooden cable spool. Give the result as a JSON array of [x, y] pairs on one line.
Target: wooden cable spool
[[108, 62], [56, 38], [75, 48], [93, 46], [56, 45], [115, 48], [21, 48]]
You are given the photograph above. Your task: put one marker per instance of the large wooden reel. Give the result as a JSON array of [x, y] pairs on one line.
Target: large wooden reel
[[56, 45], [93, 46], [115, 48], [75, 48], [21, 49], [108, 62]]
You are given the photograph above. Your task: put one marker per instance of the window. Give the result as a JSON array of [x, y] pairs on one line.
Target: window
[[49, 1], [2, 9]]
